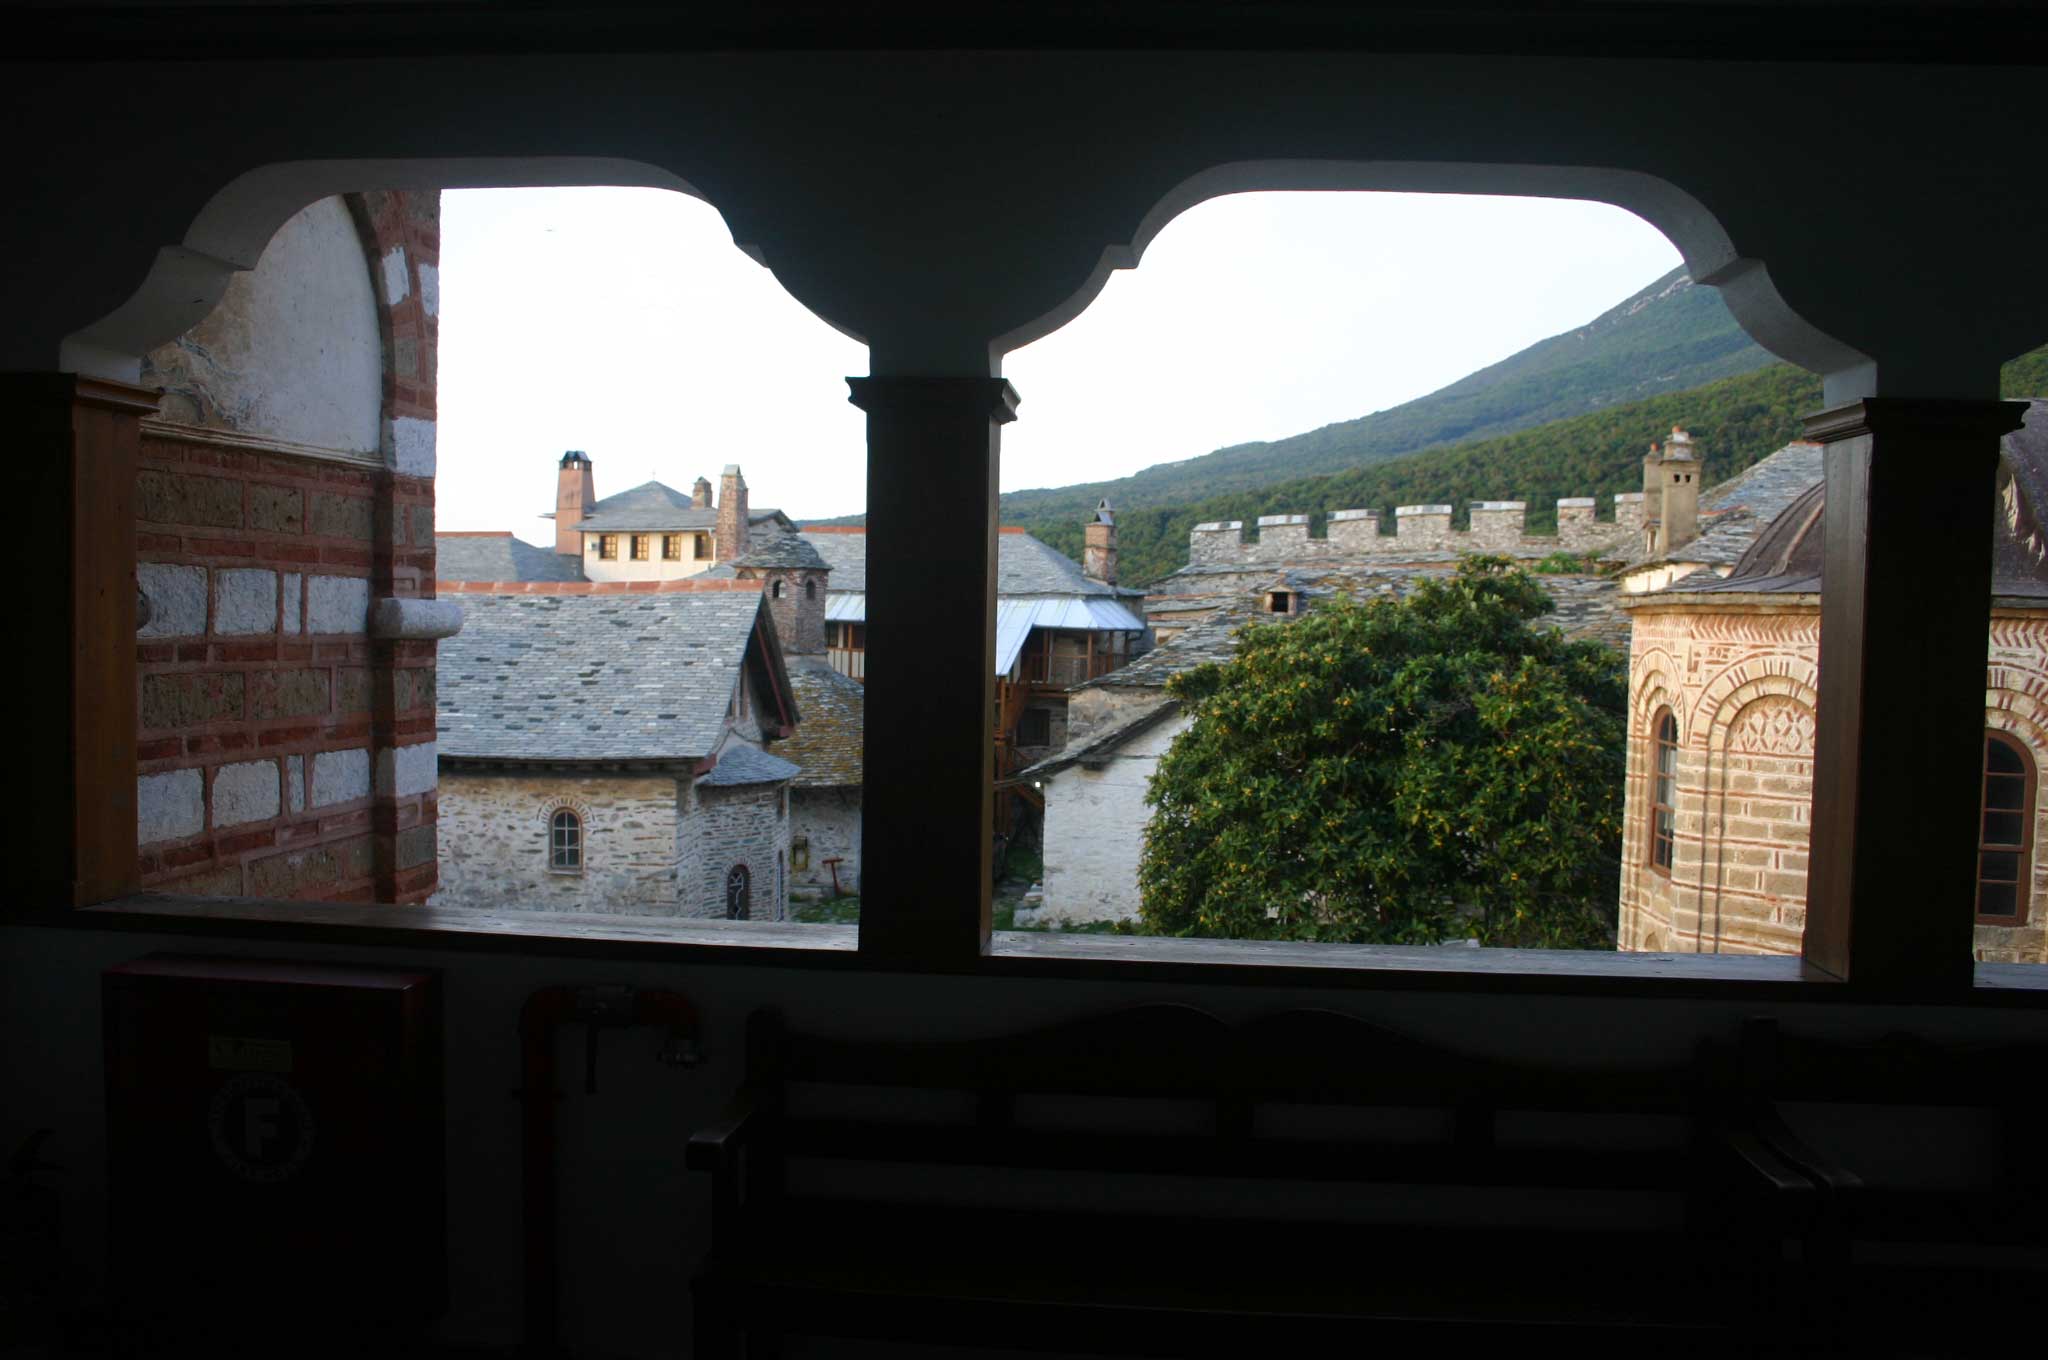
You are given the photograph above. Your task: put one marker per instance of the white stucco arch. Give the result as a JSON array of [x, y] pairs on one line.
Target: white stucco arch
[[188, 278], [1711, 257]]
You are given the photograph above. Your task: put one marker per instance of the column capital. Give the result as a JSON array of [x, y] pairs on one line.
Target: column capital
[[995, 395], [1927, 416]]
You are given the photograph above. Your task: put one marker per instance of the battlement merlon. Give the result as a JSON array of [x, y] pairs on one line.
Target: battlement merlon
[[1496, 527]]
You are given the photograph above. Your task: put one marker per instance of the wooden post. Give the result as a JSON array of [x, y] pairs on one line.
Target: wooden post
[[1898, 751], [927, 811], [74, 546]]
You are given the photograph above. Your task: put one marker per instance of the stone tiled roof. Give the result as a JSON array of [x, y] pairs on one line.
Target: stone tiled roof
[[1734, 512], [740, 764], [846, 555], [1024, 566], [593, 677], [782, 550], [500, 557], [1786, 556], [1098, 745], [827, 744], [654, 506]]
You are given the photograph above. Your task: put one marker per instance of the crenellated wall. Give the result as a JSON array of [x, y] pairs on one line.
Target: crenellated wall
[[1496, 527]]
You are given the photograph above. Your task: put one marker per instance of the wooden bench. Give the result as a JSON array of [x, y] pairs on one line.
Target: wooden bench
[[1930, 1231], [1159, 1182]]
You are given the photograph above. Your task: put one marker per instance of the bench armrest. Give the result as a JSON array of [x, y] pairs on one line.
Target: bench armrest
[[716, 1149], [1757, 1157], [1773, 1133]]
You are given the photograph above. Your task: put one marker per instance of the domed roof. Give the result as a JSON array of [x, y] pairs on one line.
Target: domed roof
[[1786, 556]]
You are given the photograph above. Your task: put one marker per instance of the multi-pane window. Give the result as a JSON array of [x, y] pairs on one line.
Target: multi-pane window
[[1663, 788], [643, 547], [565, 843], [671, 547], [608, 547], [703, 548], [2005, 831]]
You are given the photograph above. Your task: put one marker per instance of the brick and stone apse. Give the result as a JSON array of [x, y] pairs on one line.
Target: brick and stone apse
[[288, 486], [1740, 677]]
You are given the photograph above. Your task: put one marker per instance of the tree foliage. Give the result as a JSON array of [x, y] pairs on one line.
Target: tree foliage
[[1399, 771]]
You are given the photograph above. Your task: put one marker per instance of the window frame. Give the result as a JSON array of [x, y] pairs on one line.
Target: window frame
[[2030, 788], [671, 547], [1661, 817], [642, 547], [576, 845], [607, 547], [701, 550]]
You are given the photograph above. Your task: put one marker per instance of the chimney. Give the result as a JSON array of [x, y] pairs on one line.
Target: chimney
[[732, 515], [1653, 497], [700, 494], [1679, 489], [575, 493], [1098, 549]]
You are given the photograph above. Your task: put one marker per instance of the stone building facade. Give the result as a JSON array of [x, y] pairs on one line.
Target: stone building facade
[[496, 841], [1723, 680], [285, 570]]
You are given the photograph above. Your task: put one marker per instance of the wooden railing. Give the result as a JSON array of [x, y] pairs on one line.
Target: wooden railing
[[1064, 672]]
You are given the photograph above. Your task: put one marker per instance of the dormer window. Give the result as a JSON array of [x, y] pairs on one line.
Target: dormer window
[[1279, 602]]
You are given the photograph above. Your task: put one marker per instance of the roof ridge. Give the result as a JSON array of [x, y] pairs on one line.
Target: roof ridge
[[684, 585]]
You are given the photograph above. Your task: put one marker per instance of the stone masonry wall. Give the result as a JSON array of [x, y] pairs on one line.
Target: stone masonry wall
[[1496, 527], [1095, 830], [746, 825], [282, 752], [827, 822], [1741, 681], [495, 850]]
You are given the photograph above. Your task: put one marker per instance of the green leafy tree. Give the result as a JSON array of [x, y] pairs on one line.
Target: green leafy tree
[[1400, 772]]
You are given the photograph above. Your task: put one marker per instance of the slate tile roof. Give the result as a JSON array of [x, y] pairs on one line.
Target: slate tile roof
[[1735, 511], [500, 557], [1024, 566], [782, 550], [653, 506], [740, 764], [593, 677], [827, 744]]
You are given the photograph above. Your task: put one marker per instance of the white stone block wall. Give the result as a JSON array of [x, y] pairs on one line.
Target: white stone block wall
[[1095, 830], [494, 843]]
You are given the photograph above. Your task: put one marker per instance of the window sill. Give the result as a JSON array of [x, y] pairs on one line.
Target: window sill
[[1034, 954]]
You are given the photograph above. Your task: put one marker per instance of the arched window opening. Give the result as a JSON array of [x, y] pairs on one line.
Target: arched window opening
[[810, 590], [565, 842], [2005, 837], [739, 893], [1663, 788]]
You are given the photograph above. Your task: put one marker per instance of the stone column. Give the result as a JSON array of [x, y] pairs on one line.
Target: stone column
[[927, 809], [1898, 748], [74, 453]]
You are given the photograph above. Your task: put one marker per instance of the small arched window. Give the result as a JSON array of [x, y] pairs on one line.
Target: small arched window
[[2005, 831], [1663, 788], [565, 842], [776, 590], [739, 893], [810, 590]]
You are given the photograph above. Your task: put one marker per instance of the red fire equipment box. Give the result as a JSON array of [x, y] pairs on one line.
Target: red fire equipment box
[[275, 1141]]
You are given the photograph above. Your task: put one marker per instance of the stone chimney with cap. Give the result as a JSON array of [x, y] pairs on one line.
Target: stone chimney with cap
[[1678, 492], [1098, 549], [575, 493], [700, 494], [732, 514]]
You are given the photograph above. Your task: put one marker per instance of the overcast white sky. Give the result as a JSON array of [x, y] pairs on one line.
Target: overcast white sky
[[624, 322]]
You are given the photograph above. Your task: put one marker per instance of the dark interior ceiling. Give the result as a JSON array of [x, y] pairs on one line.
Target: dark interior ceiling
[[1912, 31]]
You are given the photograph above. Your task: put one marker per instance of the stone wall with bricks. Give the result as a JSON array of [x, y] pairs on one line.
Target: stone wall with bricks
[[825, 824], [1740, 677], [1495, 527], [283, 751]]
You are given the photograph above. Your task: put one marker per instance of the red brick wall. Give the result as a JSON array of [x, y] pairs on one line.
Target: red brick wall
[[270, 721]]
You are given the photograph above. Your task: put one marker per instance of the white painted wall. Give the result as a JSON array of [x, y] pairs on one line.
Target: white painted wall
[[1095, 830], [654, 569], [292, 352]]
